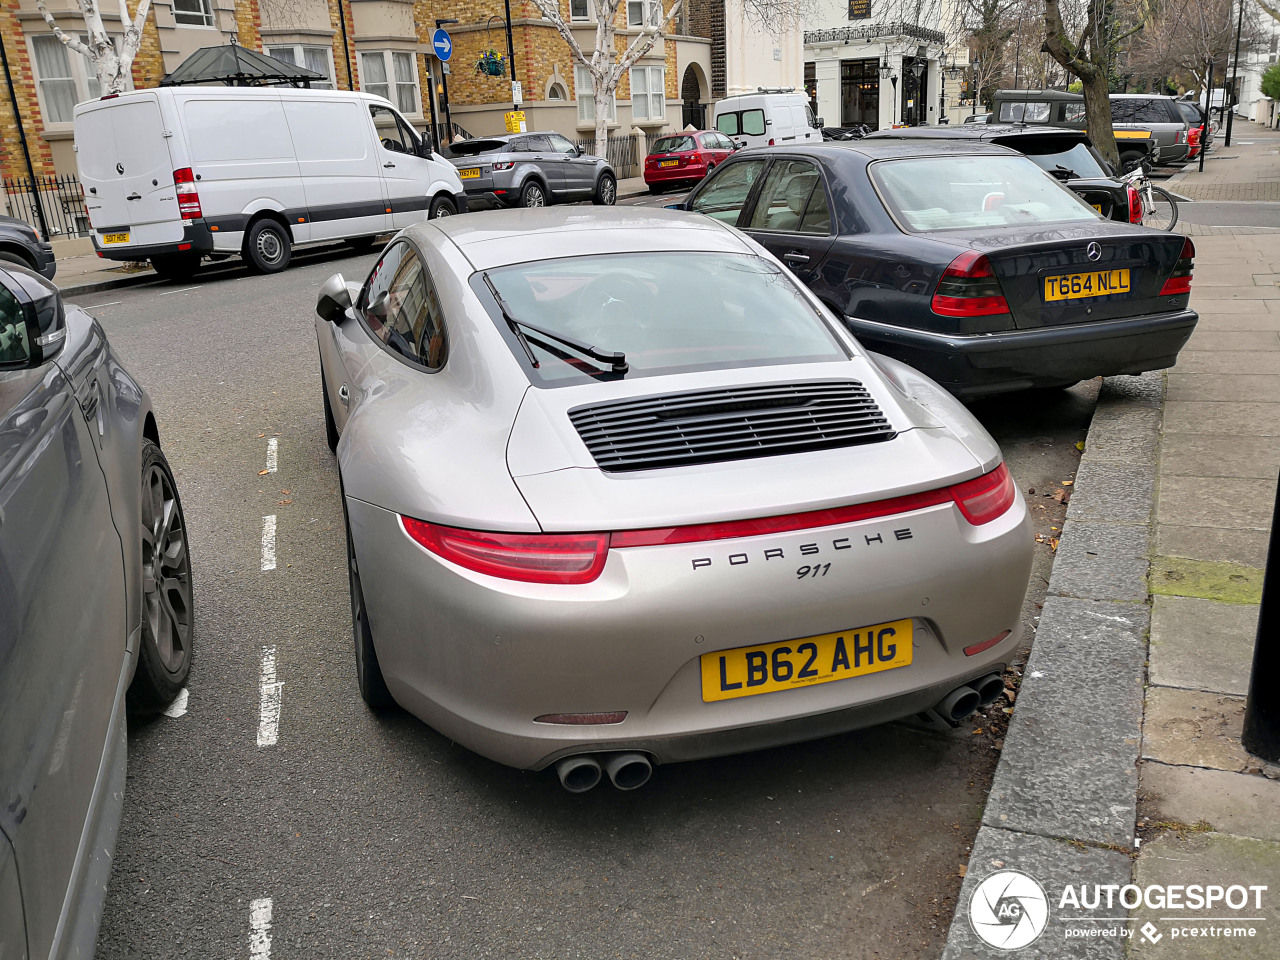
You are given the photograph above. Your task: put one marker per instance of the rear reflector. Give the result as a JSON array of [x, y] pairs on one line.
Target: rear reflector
[[1179, 281], [969, 288], [184, 183], [582, 719], [531, 558], [977, 648]]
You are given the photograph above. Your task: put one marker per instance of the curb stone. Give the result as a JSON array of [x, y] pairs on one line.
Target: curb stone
[[1063, 804]]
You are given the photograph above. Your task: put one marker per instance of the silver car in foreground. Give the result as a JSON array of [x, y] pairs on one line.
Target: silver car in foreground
[[620, 491]]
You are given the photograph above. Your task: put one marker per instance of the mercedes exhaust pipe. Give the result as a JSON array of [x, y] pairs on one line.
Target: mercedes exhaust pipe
[[628, 771], [579, 774]]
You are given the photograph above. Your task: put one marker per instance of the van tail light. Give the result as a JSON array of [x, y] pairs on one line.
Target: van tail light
[[184, 182], [528, 557], [969, 288], [504, 165], [771, 141], [1179, 281], [1135, 204]]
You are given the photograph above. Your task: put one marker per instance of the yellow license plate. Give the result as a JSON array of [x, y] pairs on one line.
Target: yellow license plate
[[668, 163], [747, 671], [469, 174], [1076, 286], [1096, 206], [114, 238]]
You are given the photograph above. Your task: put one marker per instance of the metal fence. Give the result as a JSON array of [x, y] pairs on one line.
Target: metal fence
[[61, 197], [620, 152]]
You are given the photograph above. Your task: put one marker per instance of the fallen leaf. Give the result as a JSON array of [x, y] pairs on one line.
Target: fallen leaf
[[261, 435], [262, 473], [1067, 483], [976, 731], [283, 502], [1062, 496], [999, 744], [286, 493], [1080, 445], [963, 869]]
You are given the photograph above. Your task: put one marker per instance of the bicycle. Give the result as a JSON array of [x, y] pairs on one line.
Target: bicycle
[[1159, 209]]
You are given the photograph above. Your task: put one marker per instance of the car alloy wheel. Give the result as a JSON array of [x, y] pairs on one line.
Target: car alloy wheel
[[606, 191], [532, 196]]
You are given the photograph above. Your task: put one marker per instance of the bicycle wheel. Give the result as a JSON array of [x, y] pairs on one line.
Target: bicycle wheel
[[1159, 209]]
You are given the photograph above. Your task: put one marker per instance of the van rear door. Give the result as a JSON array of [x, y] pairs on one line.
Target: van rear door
[[126, 170]]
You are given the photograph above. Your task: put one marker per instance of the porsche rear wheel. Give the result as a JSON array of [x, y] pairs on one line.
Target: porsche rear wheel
[[373, 688]]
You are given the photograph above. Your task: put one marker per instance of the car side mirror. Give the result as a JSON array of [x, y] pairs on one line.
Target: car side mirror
[[679, 205], [820, 124], [33, 323], [334, 300]]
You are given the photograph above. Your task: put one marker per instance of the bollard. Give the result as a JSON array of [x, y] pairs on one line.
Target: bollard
[[1261, 735]]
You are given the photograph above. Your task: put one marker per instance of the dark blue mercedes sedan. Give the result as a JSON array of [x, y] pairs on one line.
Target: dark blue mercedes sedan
[[965, 260]]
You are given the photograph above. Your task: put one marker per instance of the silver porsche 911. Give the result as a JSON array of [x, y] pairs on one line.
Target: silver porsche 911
[[620, 491]]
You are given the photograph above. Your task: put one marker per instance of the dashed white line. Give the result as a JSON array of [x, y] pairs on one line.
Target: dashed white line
[[269, 701], [260, 929], [269, 542], [273, 455], [170, 293], [113, 303], [179, 706]]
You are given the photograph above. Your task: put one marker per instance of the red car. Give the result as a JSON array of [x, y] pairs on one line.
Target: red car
[[684, 158]]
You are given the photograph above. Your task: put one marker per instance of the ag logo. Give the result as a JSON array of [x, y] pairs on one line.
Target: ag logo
[[1009, 910]]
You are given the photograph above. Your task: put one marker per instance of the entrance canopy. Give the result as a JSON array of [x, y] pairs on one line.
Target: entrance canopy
[[237, 66]]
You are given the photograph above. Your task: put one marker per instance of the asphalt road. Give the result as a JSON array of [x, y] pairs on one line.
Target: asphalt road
[[351, 836]]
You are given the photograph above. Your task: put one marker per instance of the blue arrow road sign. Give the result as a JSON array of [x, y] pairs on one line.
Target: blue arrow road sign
[[443, 45]]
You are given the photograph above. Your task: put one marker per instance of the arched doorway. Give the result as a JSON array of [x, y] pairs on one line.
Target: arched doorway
[[692, 93]]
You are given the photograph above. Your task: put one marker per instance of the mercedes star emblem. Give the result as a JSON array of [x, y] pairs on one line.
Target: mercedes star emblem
[[120, 169], [1094, 250]]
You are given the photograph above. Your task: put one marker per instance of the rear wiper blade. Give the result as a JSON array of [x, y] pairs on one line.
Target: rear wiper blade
[[1070, 174], [616, 361]]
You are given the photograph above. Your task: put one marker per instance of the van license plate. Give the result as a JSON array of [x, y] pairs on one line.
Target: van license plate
[[1076, 286], [470, 174], [114, 238], [804, 662]]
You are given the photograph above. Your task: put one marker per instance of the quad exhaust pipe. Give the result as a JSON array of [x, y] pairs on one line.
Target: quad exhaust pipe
[[626, 771]]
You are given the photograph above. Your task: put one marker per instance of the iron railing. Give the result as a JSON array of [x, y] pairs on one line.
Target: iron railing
[[61, 197], [619, 151]]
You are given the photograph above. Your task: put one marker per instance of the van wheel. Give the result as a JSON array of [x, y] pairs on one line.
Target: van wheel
[[532, 195], [606, 190], [178, 267], [266, 248], [442, 206]]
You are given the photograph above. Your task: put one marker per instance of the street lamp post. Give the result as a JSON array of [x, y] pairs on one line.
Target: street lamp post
[[1235, 76], [917, 69], [973, 100]]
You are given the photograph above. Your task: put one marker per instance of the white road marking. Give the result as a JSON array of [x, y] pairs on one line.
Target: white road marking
[[260, 929], [273, 455], [111, 304], [179, 705], [269, 542], [269, 701], [170, 293]]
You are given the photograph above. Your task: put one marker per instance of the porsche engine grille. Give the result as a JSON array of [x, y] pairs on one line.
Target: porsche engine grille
[[710, 426]]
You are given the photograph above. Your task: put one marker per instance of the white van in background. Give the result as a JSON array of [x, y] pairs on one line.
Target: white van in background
[[770, 117], [172, 174]]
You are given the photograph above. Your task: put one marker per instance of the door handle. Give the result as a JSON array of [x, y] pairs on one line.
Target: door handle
[[90, 403], [795, 256], [134, 196], [388, 164], [344, 394]]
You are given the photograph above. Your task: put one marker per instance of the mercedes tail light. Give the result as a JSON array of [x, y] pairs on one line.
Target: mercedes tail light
[[529, 557], [969, 288], [1179, 281], [1135, 204], [184, 182]]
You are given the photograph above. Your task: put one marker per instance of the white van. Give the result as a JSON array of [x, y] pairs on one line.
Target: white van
[[176, 173], [767, 118]]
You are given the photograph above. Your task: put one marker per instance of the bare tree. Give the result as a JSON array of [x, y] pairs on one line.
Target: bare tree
[[1181, 40], [606, 67], [111, 63]]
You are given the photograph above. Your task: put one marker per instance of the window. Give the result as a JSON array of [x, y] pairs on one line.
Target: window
[[15, 347], [193, 13], [561, 144], [579, 10], [648, 94], [792, 199], [1030, 112], [642, 13], [65, 78], [586, 101], [391, 74], [401, 308], [741, 122], [319, 59], [394, 133], [726, 194], [556, 92]]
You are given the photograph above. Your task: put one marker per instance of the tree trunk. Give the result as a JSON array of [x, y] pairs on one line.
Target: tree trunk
[[602, 98], [1097, 115]]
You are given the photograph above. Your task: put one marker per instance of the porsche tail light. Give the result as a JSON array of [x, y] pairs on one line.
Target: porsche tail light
[[1135, 204], [1179, 281], [184, 182], [969, 288], [985, 498], [529, 557]]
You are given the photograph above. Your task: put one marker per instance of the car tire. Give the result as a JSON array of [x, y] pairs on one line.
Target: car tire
[[9, 256], [176, 268], [168, 623], [442, 206], [606, 194], [330, 426], [656, 188], [533, 194], [373, 688], [266, 247]]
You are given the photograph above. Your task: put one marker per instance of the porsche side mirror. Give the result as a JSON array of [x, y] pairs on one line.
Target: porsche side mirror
[[33, 323], [334, 300]]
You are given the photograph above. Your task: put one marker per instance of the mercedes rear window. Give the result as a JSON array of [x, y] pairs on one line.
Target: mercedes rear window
[[667, 312], [925, 194]]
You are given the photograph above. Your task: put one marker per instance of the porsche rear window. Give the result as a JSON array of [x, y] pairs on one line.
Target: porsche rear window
[[667, 312], [959, 192]]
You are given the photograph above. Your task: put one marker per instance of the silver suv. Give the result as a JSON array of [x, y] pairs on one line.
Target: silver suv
[[530, 170]]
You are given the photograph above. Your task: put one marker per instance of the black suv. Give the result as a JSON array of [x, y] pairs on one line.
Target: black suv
[[20, 244]]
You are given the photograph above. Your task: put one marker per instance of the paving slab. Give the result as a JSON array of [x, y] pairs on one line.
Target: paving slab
[[1260, 319], [1206, 579], [1228, 362], [1216, 501], [1194, 728], [1246, 547], [1248, 418], [1116, 492], [1202, 644], [1211, 386], [1054, 864], [1216, 455], [1209, 859], [1244, 804], [1102, 561], [1208, 338], [1068, 765]]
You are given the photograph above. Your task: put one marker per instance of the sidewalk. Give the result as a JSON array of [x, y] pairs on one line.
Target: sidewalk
[[1122, 763]]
